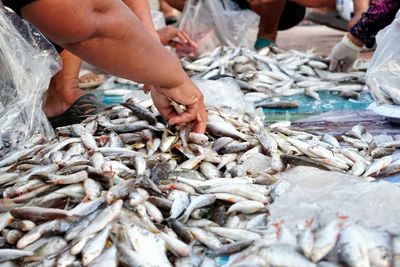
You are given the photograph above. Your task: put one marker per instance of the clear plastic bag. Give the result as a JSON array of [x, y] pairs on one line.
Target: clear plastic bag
[[224, 94], [27, 63], [323, 195], [212, 23], [383, 76]]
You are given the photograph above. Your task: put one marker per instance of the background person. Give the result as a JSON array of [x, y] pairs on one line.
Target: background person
[[379, 15], [274, 15]]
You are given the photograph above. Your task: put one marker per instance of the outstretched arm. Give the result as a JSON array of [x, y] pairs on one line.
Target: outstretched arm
[[108, 35]]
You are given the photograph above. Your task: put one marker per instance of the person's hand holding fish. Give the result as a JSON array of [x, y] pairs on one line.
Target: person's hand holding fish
[[186, 94]]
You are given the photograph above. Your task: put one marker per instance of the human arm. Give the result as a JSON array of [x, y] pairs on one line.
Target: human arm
[[178, 39], [379, 15], [141, 9], [109, 36], [360, 6]]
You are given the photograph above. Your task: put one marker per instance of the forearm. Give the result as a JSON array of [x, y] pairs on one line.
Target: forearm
[[379, 15], [141, 9], [360, 6], [113, 40]]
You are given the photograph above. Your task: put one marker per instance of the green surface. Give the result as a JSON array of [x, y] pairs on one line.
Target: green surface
[[330, 101]]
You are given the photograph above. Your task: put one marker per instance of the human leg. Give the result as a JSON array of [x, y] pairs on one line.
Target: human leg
[[63, 89], [169, 12], [270, 15], [177, 4], [65, 102]]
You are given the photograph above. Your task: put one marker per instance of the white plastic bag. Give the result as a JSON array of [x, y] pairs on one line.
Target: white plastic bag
[[27, 63], [383, 76], [224, 94], [212, 23], [314, 193]]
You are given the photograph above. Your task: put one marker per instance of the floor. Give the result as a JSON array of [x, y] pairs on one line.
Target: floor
[[318, 37]]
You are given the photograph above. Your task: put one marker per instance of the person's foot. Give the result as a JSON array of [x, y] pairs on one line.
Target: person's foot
[[61, 95], [89, 79], [171, 20], [83, 107], [263, 42], [66, 104]]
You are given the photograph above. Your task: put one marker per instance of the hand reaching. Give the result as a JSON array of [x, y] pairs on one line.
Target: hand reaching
[[187, 94], [178, 39]]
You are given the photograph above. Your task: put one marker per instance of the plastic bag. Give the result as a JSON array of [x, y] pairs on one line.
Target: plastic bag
[[320, 194], [27, 63], [383, 76], [224, 94], [212, 23]]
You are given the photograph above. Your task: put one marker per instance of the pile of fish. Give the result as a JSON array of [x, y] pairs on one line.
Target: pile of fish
[[354, 152], [384, 94], [336, 243], [272, 73], [122, 188]]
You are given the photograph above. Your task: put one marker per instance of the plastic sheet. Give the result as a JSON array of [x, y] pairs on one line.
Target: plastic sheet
[[27, 63], [383, 76], [213, 23], [224, 94], [322, 194]]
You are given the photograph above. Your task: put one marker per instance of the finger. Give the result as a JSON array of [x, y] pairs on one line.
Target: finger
[[147, 88], [184, 118], [167, 113], [175, 44], [193, 44], [333, 65], [201, 123], [182, 37], [163, 104], [189, 40], [199, 127], [186, 35]]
